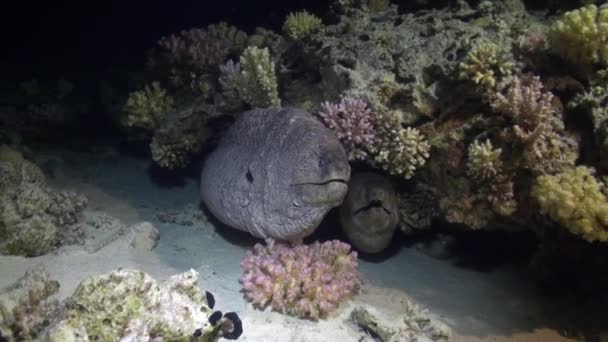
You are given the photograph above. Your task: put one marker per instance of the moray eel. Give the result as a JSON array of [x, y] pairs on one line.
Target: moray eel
[[275, 174], [370, 212]]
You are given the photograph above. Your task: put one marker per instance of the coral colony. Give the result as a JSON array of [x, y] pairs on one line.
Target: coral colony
[[307, 281]]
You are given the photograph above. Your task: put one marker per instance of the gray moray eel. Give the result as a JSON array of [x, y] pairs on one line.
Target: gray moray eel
[[275, 174], [370, 212]]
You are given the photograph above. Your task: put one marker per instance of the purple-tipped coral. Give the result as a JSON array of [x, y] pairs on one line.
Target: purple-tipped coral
[[302, 280], [187, 56], [351, 120]]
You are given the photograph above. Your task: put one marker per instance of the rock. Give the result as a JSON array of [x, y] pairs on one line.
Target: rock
[[144, 236], [370, 213], [26, 308], [129, 305], [275, 174], [416, 325]]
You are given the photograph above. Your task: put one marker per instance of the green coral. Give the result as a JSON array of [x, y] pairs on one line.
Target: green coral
[[576, 200], [486, 64], [399, 151], [300, 25], [232, 37], [484, 161], [172, 150], [257, 84], [594, 102], [131, 303], [581, 35], [148, 108]]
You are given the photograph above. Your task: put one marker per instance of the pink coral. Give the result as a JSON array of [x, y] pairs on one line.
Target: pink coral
[[303, 280], [188, 55], [352, 121]]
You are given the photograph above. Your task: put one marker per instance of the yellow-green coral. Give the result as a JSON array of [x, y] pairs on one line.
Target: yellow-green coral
[[173, 153], [257, 84], [234, 38], [148, 108], [484, 161], [301, 24], [397, 150], [486, 64], [581, 35], [576, 200]]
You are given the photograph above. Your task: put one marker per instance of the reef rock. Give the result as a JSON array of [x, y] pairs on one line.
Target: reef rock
[[370, 213], [275, 174], [129, 305]]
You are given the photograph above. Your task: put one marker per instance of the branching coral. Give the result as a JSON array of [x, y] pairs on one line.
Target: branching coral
[[399, 151], [486, 64], [301, 24], [171, 150], [188, 56], [537, 126], [232, 37], [576, 200], [484, 161], [581, 35], [594, 103], [149, 107], [352, 122], [257, 84], [303, 280]]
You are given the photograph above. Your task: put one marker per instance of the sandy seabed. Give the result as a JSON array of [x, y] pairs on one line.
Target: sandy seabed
[[498, 305]]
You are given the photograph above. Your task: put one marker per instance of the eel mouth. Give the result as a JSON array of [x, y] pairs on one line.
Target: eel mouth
[[336, 180], [330, 192], [370, 206]]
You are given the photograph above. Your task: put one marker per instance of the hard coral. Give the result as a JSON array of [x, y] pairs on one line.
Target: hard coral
[[148, 108], [486, 64], [257, 84], [189, 56], [301, 24], [538, 126], [303, 280], [399, 151], [484, 160], [352, 122], [231, 36], [576, 200], [581, 35]]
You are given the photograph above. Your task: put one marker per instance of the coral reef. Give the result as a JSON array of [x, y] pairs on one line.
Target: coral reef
[[302, 24], [302, 280], [580, 35], [576, 200], [129, 304]]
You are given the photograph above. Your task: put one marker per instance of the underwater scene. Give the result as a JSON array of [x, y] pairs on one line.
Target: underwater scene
[[304, 171]]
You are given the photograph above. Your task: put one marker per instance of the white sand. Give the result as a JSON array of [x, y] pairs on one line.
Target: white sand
[[494, 306]]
